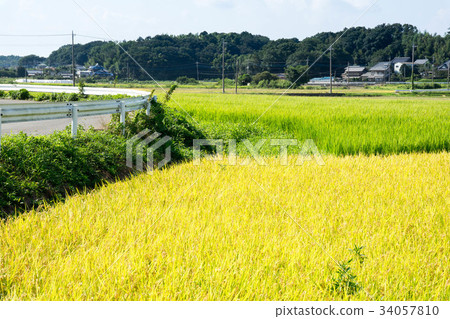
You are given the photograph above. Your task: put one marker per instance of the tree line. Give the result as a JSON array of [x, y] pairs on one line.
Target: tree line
[[168, 57]]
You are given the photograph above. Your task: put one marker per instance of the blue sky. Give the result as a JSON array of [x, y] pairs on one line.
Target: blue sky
[[133, 18]]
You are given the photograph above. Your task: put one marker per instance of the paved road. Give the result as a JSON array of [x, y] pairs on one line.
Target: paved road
[[70, 89], [48, 127]]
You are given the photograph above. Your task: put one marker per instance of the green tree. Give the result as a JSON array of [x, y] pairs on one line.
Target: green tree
[[266, 75], [297, 74], [245, 79], [30, 61], [21, 71]]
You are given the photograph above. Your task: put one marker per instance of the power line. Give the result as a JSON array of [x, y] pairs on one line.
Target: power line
[[35, 35]]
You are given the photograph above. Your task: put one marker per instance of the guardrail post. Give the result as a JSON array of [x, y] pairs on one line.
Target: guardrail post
[[149, 104], [122, 116], [74, 120], [0, 130]]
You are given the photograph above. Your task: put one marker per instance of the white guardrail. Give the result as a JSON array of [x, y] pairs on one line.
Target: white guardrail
[[39, 112]]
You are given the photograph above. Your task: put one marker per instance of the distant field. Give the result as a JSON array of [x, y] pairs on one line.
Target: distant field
[[338, 125], [215, 232]]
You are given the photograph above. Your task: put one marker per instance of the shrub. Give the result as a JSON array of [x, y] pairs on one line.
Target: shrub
[[166, 121], [2, 94], [73, 97], [245, 79], [23, 94], [42, 97], [13, 94], [37, 168], [266, 75], [298, 74], [186, 80]]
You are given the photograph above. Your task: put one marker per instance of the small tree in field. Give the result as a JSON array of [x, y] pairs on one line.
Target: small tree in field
[[245, 79], [266, 75], [297, 73]]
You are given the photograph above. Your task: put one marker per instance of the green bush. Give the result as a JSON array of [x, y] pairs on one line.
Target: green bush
[[245, 79], [38, 168], [42, 97], [267, 76], [2, 94], [72, 97], [23, 94], [428, 86], [186, 80], [13, 95], [35, 169], [166, 121]]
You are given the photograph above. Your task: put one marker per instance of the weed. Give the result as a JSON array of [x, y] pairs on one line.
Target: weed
[[358, 254], [344, 282]]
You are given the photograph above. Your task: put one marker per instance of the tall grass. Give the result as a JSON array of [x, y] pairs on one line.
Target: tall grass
[[215, 232], [340, 126]]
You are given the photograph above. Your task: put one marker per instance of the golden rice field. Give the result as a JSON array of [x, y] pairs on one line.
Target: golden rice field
[[218, 232]]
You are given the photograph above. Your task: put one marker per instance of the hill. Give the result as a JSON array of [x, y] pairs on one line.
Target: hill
[[166, 57], [9, 61]]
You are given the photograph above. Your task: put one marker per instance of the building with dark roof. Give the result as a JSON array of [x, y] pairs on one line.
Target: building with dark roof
[[444, 67], [401, 60], [380, 72], [353, 72]]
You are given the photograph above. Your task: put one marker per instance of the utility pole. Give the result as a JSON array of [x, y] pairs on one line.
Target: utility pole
[[223, 66], [73, 59], [412, 73], [448, 75], [390, 66], [128, 71], [348, 71], [237, 75], [331, 72], [198, 77], [432, 71]]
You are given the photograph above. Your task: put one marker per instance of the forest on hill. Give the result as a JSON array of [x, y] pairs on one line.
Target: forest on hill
[[167, 57], [9, 61]]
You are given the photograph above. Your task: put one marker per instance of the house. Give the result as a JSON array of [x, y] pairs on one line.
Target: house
[[35, 72], [421, 62], [400, 60], [84, 73], [80, 68], [353, 72], [380, 72], [398, 66], [41, 66], [66, 75], [100, 71], [444, 67]]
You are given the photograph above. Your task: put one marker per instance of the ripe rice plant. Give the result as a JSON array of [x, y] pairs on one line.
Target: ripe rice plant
[[218, 232]]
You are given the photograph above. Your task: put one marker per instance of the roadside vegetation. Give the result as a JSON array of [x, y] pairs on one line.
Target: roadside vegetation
[[25, 95], [39, 169]]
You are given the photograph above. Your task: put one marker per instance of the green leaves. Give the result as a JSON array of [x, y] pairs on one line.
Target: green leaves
[[344, 282], [38, 168]]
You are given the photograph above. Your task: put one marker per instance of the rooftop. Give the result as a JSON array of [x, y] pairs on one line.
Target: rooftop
[[421, 61], [401, 59], [355, 68], [381, 66]]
